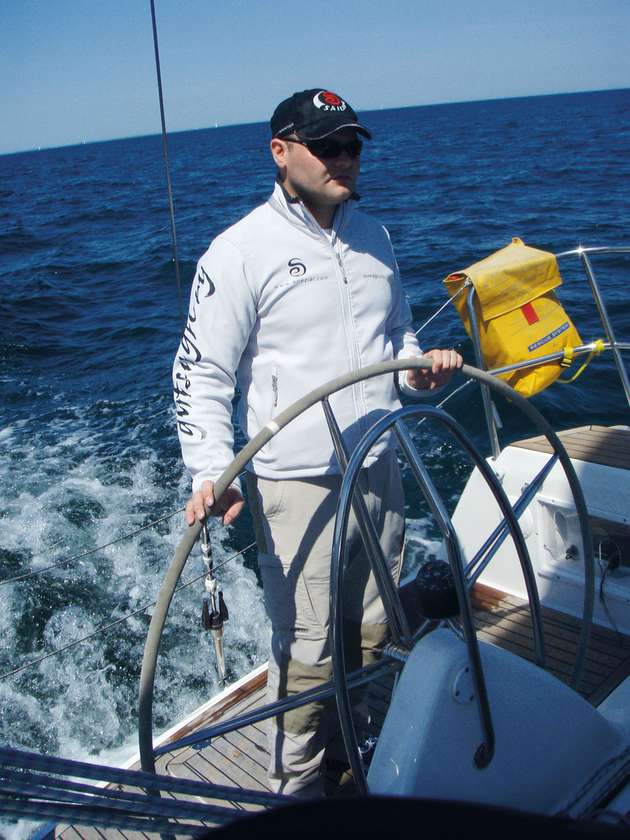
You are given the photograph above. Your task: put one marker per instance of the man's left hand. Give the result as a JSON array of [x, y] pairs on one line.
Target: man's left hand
[[444, 363]]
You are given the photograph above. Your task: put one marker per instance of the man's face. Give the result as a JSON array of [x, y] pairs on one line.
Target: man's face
[[321, 183]]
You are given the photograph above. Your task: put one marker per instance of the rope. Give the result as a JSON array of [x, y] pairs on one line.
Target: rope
[[105, 627], [567, 360], [166, 163], [74, 557]]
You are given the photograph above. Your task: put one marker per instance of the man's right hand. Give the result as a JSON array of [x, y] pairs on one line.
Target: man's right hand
[[201, 501]]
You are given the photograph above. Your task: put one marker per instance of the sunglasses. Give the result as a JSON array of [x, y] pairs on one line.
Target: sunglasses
[[328, 148]]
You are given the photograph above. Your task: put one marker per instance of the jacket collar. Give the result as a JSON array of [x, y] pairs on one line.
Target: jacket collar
[[294, 211]]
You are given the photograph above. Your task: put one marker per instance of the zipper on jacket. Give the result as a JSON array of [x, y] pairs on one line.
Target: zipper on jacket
[[336, 251], [347, 309], [341, 268], [355, 357]]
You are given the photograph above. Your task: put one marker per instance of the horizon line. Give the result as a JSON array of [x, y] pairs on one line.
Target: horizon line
[[35, 149]]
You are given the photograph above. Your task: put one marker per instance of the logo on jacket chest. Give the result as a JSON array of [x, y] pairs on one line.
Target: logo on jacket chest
[[297, 274], [296, 267]]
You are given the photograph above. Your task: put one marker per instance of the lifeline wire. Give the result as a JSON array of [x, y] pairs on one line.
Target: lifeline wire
[[106, 627], [64, 560], [447, 398], [428, 321], [441, 309]]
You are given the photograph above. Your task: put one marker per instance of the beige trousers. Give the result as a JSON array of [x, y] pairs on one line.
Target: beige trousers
[[294, 522]]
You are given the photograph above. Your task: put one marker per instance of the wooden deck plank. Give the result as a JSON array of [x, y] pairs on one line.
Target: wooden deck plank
[[556, 647], [614, 679], [594, 444], [602, 639], [603, 642], [608, 653], [243, 741], [260, 733], [565, 639], [254, 699], [209, 768], [241, 749], [597, 666], [84, 832], [199, 766], [563, 671], [507, 622], [216, 764]]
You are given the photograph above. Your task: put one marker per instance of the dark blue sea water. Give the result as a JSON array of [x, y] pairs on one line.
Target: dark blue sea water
[[90, 324]]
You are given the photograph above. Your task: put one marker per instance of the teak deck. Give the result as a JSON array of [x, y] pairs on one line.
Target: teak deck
[[240, 758], [594, 444], [505, 621]]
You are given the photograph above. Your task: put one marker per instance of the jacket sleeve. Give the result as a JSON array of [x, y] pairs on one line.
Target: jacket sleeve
[[220, 319]]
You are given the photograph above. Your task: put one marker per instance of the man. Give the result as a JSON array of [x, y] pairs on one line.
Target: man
[[301, 290]]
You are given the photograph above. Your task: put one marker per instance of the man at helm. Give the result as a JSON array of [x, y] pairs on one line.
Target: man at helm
[[303, 289]]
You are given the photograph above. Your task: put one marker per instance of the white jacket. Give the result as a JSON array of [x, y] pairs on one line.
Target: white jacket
[[283, 307]]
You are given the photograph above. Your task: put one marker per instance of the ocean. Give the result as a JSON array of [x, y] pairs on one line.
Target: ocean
[[90, 325]]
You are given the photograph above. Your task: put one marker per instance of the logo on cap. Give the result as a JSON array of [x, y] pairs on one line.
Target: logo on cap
[[328, 101]]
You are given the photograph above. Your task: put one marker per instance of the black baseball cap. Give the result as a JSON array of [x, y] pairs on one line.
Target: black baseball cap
[[313, 114]]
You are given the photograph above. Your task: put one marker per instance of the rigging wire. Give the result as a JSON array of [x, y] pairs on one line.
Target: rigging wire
[[441, 309], [443, 402], [169, 187], [67, 560], [105, 627]]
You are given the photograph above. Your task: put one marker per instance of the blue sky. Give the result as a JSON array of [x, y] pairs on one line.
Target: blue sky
[[82, 70]]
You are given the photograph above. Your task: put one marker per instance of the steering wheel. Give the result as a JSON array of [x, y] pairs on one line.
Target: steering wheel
[[387, 588]]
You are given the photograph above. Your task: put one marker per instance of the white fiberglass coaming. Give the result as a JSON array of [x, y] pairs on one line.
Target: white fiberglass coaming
[[552, 535]]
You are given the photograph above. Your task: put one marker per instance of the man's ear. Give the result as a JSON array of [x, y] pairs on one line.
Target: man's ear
[[279, 154]]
